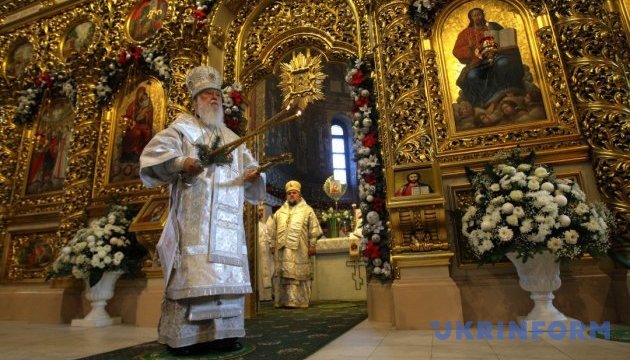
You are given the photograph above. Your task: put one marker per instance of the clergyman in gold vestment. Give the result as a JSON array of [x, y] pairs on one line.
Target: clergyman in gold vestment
[[294, 232]]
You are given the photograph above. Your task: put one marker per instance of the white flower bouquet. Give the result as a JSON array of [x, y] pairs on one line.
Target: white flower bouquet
[[103, 246], [523, 207]]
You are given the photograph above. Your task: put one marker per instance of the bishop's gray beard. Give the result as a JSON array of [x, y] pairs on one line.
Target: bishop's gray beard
[[210, 115]]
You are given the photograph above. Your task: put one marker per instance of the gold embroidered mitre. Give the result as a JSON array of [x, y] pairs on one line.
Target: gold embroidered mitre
[[293, 185], [201, 78]]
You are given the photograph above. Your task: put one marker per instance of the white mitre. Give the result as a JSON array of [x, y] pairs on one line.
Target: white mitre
[[201, 78]]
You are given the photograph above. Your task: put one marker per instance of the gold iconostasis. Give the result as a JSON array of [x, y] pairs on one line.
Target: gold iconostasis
[[560, 87]]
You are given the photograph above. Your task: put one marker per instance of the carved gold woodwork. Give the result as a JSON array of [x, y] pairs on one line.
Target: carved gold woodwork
[[404, 127], [596, 51], [264, 32], [418, 229], [47, 36]]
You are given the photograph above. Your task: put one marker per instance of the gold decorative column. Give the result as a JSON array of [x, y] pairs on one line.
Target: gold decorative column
[[420, 252], [595, 50]]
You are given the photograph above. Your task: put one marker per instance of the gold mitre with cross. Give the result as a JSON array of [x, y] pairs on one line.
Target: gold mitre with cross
[[201, 78], [293, 185]]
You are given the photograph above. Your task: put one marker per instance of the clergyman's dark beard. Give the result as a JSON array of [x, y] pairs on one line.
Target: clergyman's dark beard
[[292, 202]]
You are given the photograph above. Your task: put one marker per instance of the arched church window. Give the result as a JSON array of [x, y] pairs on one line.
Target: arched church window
[[340, 159]]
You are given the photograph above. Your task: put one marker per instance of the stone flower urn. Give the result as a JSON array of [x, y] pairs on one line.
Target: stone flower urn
[[540, 275], [98, 295]]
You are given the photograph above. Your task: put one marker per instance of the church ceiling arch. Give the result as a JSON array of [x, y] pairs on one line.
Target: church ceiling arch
[[263, 32]]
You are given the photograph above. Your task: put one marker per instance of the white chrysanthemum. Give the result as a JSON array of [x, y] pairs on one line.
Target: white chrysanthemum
[[526, 226], [484, 246], [227, 91], [541, 172], [549, 221], [592, 225], [550, 208], [561, 200], [509, 170], [119, 255], [547, 186], [563, 187], [497, 200], [523, 167], [107, 260], [571, 237], [507, 208], [227, 101], [495, 187], [518, 177], [512, 220], [95, 261], [77, 273], [470, 212], [579, 194], [536, 238], [487, 225], [518, 211], [505, 233], [516, 195], [554, 244], [582, 209]]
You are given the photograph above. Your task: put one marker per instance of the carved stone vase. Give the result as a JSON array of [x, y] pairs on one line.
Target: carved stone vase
[[540, 275], [98, 295]]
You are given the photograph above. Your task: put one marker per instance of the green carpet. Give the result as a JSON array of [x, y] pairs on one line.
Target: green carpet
[[617, 333], [287, 334]]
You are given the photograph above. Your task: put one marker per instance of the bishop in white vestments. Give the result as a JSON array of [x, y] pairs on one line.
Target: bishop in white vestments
[[202, 248]]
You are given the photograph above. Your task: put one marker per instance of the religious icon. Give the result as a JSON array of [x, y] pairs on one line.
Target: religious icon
[[495, 85], [154, 212], [335, 187], [134, 130], [146, 19], [47, 168], [414, 186], [79, 38], [36, 255], [19, 59]]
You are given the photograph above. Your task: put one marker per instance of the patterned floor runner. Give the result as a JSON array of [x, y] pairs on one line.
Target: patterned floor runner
[[287, 334]]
